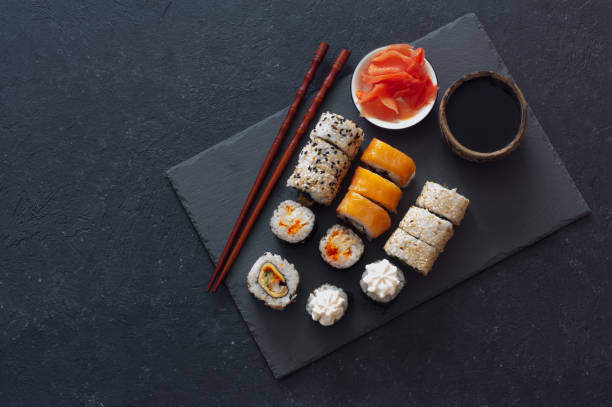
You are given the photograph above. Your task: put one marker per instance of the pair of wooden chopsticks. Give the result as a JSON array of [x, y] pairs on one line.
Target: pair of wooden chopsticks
[[228, 257]]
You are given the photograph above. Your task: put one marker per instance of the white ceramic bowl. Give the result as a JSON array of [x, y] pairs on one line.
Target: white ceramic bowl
[[356, 84]]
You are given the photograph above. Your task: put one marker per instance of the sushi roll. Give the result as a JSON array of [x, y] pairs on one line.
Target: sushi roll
[[426, 226], [340, 247], [327, 304], [340, 132], [319, 172], [274, 281], [382, 281], [292, 222], [443, 202], [376, 188], [389, 161], [411, 251], [364, 214]]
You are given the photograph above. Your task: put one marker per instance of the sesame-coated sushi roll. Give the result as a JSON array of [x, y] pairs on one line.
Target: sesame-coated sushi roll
[[327, 304], [340, 132], [411, 251], [374, 187], [443, 201], [364, 214], [389, 161], [274, 281], [292, 222], [320, 170], [340, 247], [382, 281], [426, 226]]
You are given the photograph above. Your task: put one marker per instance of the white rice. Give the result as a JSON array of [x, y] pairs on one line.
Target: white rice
[[346, 244], [340, 132], [292, 222]]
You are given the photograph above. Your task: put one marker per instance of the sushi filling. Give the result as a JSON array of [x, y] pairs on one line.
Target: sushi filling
[[272, 281], [338, 244]]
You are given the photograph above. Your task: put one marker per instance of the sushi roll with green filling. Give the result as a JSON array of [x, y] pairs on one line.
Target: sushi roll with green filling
[[327, 304], [382, 281], [292, 222], [274, 281], [340, 247]]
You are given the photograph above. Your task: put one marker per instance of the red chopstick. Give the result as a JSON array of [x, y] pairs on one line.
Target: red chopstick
[[284, 160], [265, 167]]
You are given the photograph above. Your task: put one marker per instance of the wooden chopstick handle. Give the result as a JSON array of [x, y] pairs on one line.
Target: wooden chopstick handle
[[272, 152], [282, 164]]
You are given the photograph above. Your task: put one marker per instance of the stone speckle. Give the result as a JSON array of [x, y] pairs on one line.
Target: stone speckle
[[98, 99]]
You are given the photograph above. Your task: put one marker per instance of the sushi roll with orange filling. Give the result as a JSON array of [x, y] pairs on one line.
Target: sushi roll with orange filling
[[364, 214], [340, 247], [292, 222], [389, 161], [376, 188]]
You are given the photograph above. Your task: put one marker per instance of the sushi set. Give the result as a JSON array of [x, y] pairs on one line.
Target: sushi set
[[365, 222]]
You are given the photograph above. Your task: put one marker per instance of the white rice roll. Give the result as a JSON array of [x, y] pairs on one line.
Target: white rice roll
[[339, 131], [273, 280], [292, 222], [340, 247], [320, 170]]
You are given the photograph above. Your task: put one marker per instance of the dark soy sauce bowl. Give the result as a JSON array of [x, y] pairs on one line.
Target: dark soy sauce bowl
[[470, 154]]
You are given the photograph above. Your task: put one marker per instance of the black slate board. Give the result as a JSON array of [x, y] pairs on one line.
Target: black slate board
[[514, 202]]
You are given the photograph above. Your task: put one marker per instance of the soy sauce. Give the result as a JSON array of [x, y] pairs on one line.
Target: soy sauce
[[483, 114]]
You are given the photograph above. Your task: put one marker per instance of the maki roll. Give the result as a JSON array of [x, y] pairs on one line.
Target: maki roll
[[364, 214], [382, 281], [376, 188], [340, 247], [292, 222], [320, 170], [389, 161], [274, 281], [426, 226], [340, 132], [443, 201], [327, 304], [411, 251]]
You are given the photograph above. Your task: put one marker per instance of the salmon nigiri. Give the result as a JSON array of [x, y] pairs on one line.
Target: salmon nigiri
[[389, 161], [376, 188], [364, 214]]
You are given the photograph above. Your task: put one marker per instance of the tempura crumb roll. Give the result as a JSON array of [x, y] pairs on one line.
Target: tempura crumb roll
[[411, 251], [339, 131], [426, 226], [320, 170], [443, 201]]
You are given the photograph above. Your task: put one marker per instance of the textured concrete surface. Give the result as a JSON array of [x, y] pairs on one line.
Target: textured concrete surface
[[101, 274]]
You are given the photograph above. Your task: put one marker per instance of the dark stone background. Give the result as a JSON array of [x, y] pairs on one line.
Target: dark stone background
[[102, 275]]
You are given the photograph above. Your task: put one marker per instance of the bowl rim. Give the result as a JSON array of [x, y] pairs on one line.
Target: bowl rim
[[465, 152], [395, 125]]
